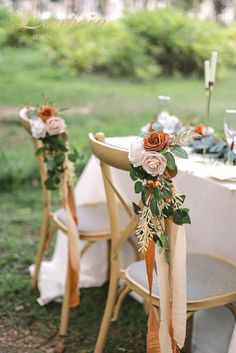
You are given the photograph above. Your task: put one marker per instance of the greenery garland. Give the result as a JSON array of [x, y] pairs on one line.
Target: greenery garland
[[153, 164]]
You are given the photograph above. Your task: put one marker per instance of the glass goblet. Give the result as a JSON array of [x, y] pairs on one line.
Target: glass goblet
[[230, 132]]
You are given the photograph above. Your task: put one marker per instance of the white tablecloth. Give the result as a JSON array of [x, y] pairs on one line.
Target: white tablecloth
[[213, 231]]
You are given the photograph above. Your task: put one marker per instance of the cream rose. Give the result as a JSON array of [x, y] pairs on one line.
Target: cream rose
[[55, 126], [135, 151], [153, 163], [38, 128], [207, 131]]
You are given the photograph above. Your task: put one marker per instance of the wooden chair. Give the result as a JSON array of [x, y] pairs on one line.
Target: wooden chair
[[211, 281], [92, 231]]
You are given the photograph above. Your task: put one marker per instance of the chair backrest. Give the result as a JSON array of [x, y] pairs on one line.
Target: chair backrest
[[111, 156]]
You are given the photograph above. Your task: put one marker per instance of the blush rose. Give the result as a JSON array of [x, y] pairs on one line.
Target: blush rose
[[55, 126], [153, 163]]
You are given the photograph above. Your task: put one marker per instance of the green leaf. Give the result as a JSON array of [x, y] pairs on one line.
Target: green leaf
[[156, 193], [41, 150], [168, 211], [166, 192], [170, 160], [165, 240], [59, 159], [154, 207], [60, 143], [136, 208], [157, 240], [144, 196], [182, 197], [57, 180], [138, 187], [73, 155], [50, 184], [181, 216], [133, 175], [179, 151]]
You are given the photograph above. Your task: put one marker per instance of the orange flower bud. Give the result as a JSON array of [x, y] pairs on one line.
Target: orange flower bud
[[149, 183], [168, 200]]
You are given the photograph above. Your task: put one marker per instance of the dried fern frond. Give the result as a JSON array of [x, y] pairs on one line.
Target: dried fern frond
[[181, 138], [146, 229], [178, 197]]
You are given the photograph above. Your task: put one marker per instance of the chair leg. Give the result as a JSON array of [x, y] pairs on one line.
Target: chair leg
[[41, 250], [51, 233], [65, 307], [189, 333], [119, 302], [112, 292]]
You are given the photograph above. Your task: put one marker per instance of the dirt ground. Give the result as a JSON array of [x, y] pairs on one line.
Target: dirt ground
[[15, 339]]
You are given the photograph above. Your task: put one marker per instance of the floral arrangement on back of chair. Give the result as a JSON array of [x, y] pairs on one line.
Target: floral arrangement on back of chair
[[51, 129], [153, 165], [59, 158], [152, 158]]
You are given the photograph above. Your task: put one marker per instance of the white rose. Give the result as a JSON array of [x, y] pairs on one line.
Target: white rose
[[153, 163], [38, 128], [55, 126], [135, 151]]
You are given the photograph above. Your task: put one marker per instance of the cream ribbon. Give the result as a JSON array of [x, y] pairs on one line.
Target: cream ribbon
[[172, 288]]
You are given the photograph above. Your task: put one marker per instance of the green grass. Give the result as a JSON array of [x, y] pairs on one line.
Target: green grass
[[118, 107]]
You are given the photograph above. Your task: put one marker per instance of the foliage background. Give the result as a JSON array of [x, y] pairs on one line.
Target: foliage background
[[142, 45]]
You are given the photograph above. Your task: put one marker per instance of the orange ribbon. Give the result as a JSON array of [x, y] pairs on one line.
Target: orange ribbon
[[74, 298], [153, 343]]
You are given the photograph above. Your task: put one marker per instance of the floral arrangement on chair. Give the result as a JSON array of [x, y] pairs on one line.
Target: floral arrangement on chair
[[152, 158], [45, 125], [51, 129]]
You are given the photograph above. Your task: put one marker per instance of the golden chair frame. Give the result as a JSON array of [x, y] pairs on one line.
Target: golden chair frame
[[110, 156]]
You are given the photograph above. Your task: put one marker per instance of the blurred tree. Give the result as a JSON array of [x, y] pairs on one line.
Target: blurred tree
[[145, 4], [40, 6], [220, 6], [15, 4], [102, 7], [185, 5], [71, 6]]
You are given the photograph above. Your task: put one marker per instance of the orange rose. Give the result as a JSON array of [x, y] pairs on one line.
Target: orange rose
[[46, 112], [155, 141], [199, 129]]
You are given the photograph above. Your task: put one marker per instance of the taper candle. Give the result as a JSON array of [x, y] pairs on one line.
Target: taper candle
[[213, 66], [207, 73]]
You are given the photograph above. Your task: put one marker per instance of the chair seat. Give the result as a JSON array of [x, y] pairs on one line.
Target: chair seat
[[207, 277], [94, 218]]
